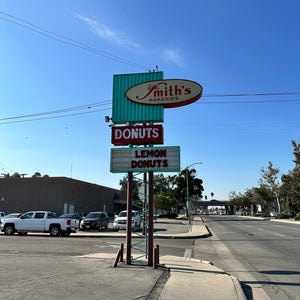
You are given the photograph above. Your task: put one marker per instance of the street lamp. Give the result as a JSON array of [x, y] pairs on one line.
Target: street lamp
[[187, 188]]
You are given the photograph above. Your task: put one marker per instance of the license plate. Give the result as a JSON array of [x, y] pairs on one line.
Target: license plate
[[87, 226]]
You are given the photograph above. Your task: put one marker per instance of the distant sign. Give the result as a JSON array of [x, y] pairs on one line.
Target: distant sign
[[168, 93], [145, 159], [137, 135]]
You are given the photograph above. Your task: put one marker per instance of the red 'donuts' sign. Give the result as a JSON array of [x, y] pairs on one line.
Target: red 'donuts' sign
[[168, 93], [137, 135]]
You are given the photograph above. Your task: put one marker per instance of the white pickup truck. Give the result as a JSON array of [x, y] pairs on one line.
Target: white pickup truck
[[39, 221]]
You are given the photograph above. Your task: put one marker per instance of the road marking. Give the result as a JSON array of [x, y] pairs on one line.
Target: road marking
[[259, 229], [282, 235], [235, 268], [115, 245], [188, 253]]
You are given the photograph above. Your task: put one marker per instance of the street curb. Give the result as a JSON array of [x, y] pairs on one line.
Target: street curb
[[197, 231]]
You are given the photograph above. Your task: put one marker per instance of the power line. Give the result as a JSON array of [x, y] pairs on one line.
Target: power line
[[250, 101], [89, 107], [252, 94], [6, 169], [66, 40], [55, 117], [12, 120]]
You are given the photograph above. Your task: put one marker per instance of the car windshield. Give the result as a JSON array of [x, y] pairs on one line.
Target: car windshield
[[16, 215], [27, 215], [122, 214], [65, 216], [93, 215]]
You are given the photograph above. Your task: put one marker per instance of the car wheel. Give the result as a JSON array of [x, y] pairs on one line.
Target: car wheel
[[54, 231], [100, 227], [9, 230]]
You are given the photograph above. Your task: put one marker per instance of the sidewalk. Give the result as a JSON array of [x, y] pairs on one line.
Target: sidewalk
[[176, 277], [193, 279]]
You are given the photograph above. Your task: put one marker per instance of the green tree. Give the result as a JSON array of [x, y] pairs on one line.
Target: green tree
[[164, 202], [296, 153], [16, 175], [164, 197], [269, 180], [136, 183], [240, 201], [274, 192], [290, 189], [186, 183], [264, 197], [37, 175], [163, 184]]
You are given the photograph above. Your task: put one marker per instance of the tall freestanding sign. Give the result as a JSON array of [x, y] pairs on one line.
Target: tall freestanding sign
[[138, 103]]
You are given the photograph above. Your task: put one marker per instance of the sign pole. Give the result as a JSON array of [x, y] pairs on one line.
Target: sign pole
[[150, 232], [129, 217], [142, 98]]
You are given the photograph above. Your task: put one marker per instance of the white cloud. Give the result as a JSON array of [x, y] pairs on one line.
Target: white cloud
[[173, 56], [168, 55], [108, 34]]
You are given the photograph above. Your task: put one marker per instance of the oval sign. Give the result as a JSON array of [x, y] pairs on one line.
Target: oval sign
[[168, 93]]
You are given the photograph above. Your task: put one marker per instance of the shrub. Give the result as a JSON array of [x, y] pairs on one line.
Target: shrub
[[281, 216], [297, 218]]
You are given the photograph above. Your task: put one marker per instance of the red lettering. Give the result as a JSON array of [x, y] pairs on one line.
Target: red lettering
[[149, 164], [187, 91]]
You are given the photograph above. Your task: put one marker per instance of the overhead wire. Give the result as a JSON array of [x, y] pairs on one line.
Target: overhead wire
[[54, 117], [89, 107], [250, 101], [5, 168], [253, 94], [66, 40]]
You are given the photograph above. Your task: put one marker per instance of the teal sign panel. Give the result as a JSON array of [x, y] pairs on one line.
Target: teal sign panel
[[124, 110]]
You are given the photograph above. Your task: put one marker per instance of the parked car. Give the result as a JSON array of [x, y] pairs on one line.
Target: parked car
[[38, 221], [11, 215], [167, 214], [72, 216], [262, 214], [273, 214], [289, 214], [120, 220], [95, 220], [2, 214]]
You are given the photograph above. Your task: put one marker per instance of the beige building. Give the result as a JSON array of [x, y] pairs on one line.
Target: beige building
[[58, 194]]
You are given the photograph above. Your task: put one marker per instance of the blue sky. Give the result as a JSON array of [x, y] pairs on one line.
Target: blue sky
[[60, 57]]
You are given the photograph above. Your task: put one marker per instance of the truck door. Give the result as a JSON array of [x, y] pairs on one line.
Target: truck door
[[38, 221], [24, 222]]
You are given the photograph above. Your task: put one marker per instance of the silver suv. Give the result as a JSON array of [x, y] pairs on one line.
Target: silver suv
[[120, 220]]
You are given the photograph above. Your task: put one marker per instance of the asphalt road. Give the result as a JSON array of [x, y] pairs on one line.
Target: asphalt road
[[38, 266], [262, 254], [74, 245], [41, 267]]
